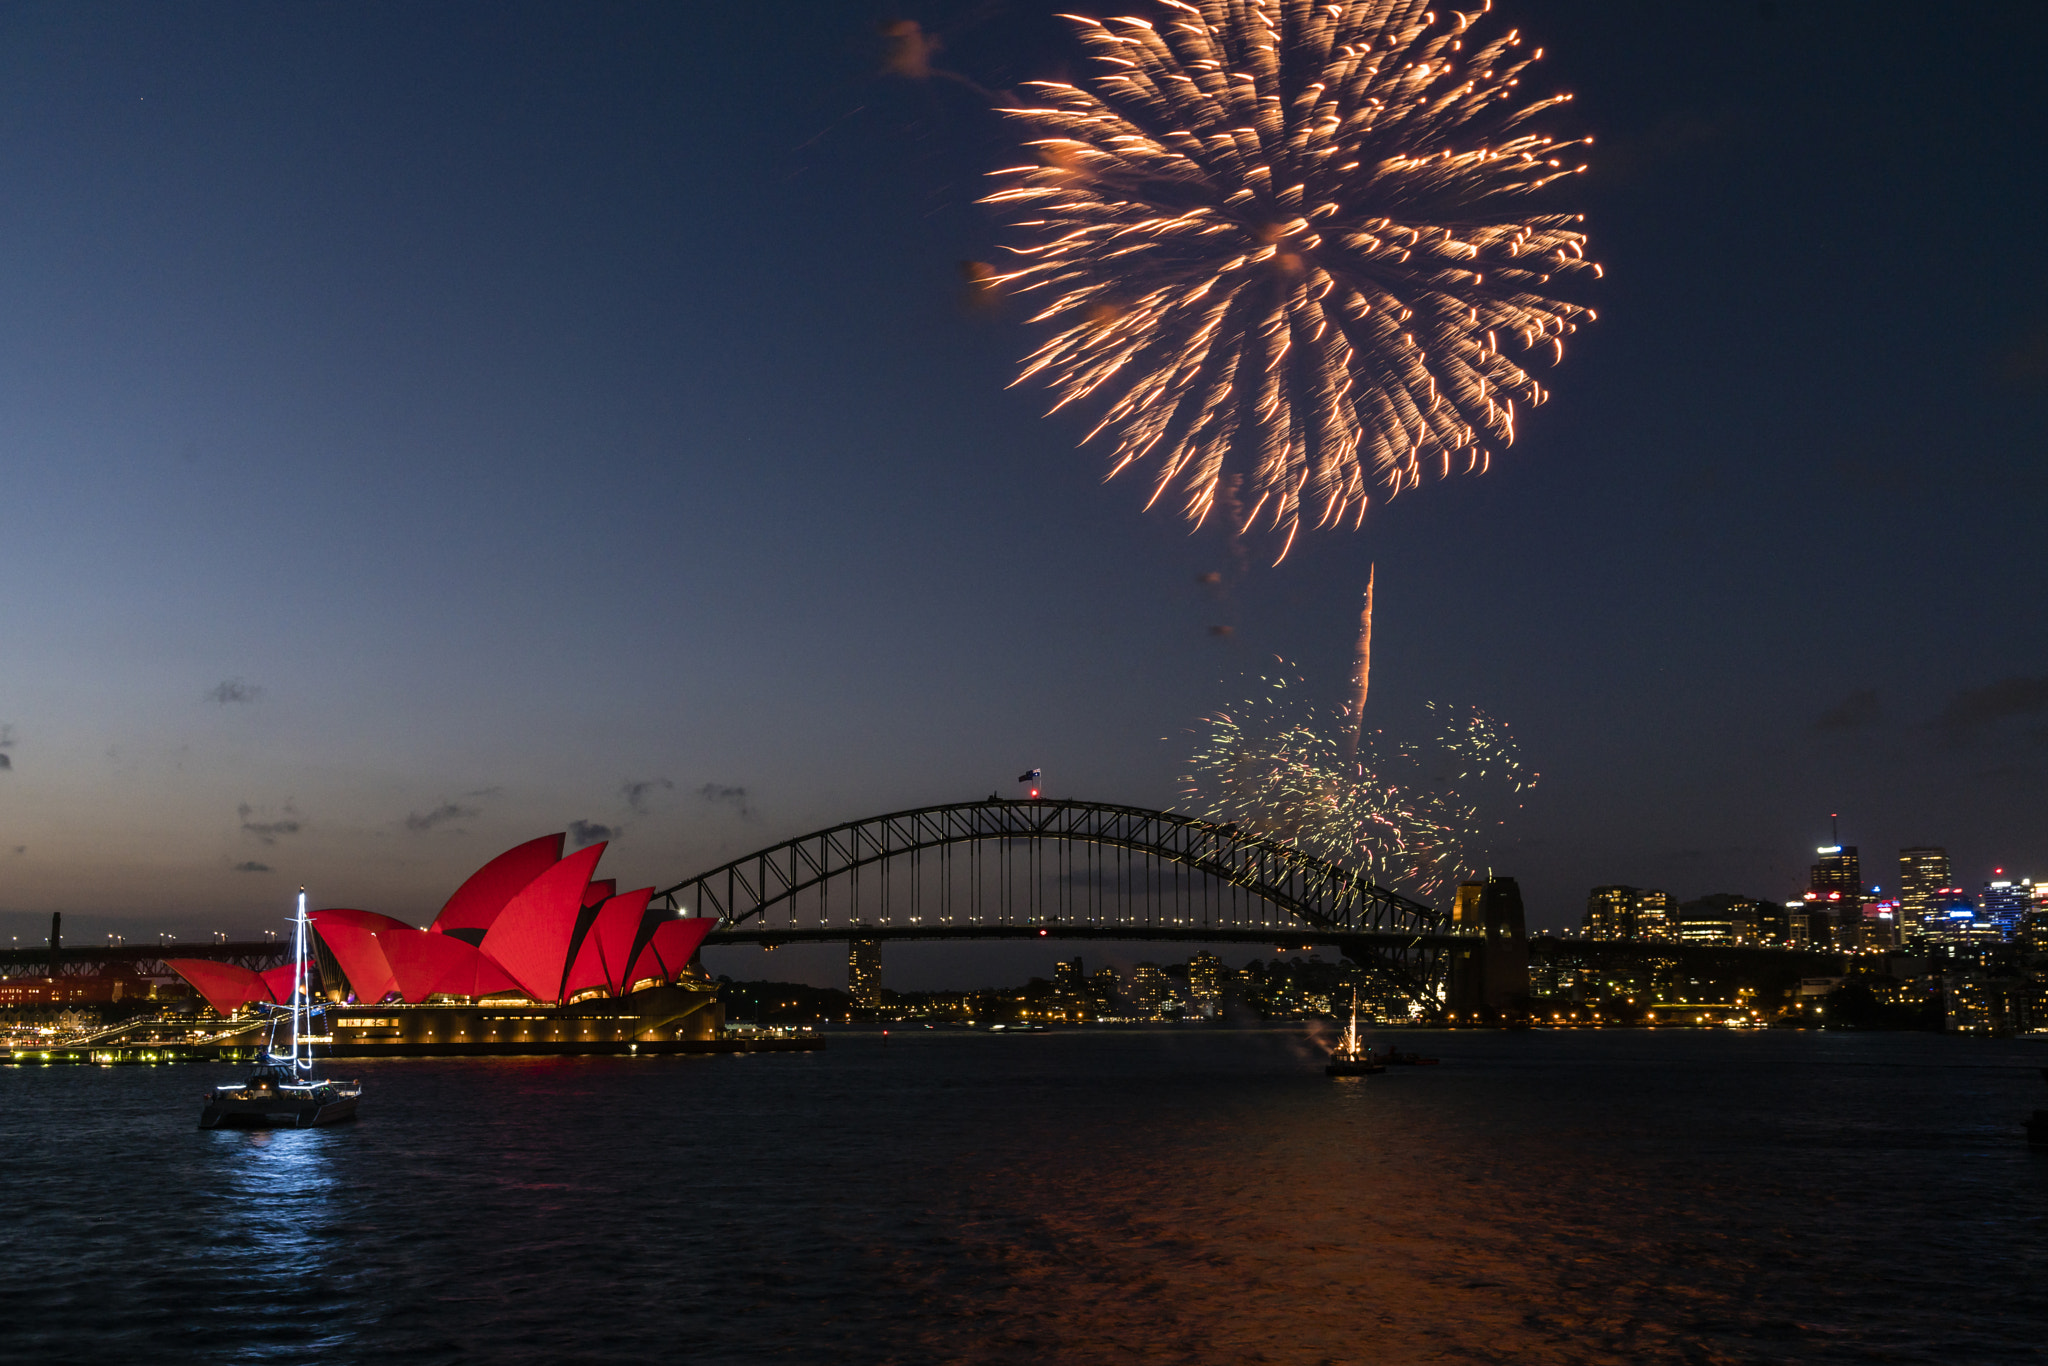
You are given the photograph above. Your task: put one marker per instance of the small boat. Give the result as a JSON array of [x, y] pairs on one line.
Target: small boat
[[1351, 1059], [282, 1092]]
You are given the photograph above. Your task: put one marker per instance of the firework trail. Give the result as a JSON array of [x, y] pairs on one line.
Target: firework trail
[[1406, 815], [1361, 667], [1278, 233]]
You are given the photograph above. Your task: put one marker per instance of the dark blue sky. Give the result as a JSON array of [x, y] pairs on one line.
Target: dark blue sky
[[522, 402]]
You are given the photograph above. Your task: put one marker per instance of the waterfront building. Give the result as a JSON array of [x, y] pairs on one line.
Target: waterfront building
[[531, 952], [864, 972], [1923, 871], [1067, 978], [1205, 983]]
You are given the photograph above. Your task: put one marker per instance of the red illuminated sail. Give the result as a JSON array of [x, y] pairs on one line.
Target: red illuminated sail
[[668, 951], [478, 901], [226, 987], [530, 938], [351, 936]]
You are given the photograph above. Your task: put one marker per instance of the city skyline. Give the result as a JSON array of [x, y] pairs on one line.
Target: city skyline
[[432, 433]]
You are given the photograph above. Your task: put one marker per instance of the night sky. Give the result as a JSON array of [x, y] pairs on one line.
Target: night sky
[[424, 427]]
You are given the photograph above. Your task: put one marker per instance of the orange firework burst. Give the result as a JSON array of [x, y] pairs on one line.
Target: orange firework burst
[[1275, 233]]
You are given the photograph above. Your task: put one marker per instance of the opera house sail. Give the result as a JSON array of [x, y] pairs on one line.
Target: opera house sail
[[532, 954]]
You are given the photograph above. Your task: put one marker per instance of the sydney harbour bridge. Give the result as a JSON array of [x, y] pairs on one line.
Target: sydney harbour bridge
[[1038, 868]]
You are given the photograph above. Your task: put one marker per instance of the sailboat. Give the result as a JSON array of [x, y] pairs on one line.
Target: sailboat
[[1352, 1059], [282, 1092]]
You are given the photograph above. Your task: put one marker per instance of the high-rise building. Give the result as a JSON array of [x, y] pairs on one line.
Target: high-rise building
[[2004, 902], [1625, 913], [1923, 871], [1656, 915], [1148, 989], [1721, 919], [1610, 913], [2034, 934], [864, 972], [1066, 975], [1205, 983], [1106, 986], [1773, 921], [1839, 870]]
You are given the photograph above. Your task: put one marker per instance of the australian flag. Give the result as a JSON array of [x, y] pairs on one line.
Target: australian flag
[[1030, 777]]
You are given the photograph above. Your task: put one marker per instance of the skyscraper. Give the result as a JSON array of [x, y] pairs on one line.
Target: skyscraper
[[2004, 902], [2034, 933], [1839, 870], [1923, 871], [1066, 975], [864, 972]]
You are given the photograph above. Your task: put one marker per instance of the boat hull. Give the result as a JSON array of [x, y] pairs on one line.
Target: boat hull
[[1360, 1067], [277, 1111]]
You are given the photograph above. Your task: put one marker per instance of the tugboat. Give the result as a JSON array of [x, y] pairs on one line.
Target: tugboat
[[1351, 1059], [281, 1092]]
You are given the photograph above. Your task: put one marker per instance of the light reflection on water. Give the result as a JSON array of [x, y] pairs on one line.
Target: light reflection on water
[[1162, 1196]]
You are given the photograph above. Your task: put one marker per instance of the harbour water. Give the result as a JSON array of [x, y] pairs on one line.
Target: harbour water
[[1169, 1195]]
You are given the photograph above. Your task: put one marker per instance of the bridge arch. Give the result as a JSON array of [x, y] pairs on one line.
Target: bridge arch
[[1060, 868]]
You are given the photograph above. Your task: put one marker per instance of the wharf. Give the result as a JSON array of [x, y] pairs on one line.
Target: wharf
[[141, 1055], [153, 1055]]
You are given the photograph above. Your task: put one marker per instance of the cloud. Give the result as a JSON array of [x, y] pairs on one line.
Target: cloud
[[636, 793], [233, 690], [20, 849], [5, 763], [268, 831], [735, 797], [1854, 712], [251, 867], [421, 822], [6, 743], [590, 832], [1972, 711]]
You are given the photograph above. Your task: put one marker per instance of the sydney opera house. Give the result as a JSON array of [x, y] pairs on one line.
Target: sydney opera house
[[531, 955]]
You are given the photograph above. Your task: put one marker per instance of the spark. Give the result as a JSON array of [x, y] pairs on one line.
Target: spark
[[1278, 234], [1411, 816]]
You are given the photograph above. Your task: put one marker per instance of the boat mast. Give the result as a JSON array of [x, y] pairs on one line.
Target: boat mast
[[298, 981]]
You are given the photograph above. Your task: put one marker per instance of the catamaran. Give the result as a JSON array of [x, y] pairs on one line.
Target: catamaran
[[282, 1092], [1351, 1058]]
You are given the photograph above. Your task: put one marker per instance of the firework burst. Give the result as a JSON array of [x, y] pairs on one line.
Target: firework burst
[[1409, 816], [1277, 234]]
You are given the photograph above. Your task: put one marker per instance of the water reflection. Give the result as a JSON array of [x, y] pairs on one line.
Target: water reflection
[[1116, 1197]]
